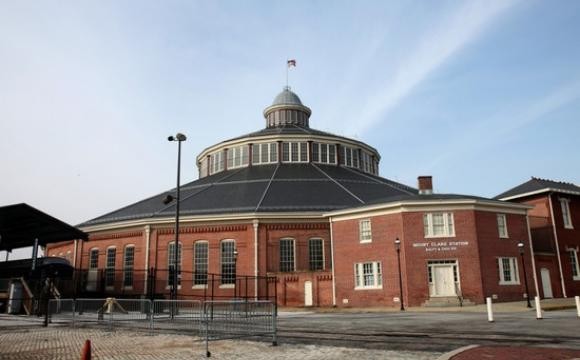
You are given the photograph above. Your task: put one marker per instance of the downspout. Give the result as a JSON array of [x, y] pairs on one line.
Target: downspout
[[75, 253], [557, 245], [533, 257], [256, 223], [332, 264], [147, 245]]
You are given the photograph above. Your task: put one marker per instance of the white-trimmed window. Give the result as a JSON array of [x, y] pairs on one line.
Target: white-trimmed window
[[565, 203], [238, 156], [316, 254], [438, 224], [368, 275], [228, 260], [200, 262], [350, 157], [324, 153], [364, 231], [216, 161], [110, 267], [502, 226], [574, 263], [294, 152], [264, 153], [508, 271], [366, 162], [93, 259], [171, 263], [128, 263], [287, 255]]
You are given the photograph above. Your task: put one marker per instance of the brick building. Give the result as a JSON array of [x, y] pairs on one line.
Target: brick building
[[555, 227], [309, 208]]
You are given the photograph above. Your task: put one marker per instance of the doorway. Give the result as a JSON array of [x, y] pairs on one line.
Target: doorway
[[443, 278], [546, 283]]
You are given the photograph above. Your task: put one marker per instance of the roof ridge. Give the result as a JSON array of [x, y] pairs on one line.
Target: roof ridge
[[267, 187], [554, 181], [339, 184]]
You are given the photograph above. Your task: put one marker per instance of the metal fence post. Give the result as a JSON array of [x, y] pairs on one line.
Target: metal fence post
[[73, 313], [275, 325], [151, 316], [110, 320], [207, 353]]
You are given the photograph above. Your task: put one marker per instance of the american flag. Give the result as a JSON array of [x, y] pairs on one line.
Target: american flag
[[291, 62]]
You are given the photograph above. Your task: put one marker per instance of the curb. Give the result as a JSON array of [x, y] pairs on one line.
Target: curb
[[451, 354]]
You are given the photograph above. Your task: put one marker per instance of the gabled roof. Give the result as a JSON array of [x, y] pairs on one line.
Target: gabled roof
[[266, 189], [538, 186], [20, 224]]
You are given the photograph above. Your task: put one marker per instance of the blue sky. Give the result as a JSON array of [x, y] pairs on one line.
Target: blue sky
[[480, 94]]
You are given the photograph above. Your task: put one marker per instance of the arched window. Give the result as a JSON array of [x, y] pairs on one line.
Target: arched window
[[200, 262], [110, 267], [287, 258], [128, 263], [94, 259], [171, 263], [228, 261], [315, 254]]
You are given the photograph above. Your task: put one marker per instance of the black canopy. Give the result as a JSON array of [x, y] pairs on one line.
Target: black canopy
[[20, 224]]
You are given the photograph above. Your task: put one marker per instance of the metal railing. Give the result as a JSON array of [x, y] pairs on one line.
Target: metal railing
[[209, 320]]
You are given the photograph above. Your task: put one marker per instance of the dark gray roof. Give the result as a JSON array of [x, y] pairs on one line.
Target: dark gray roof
[[267, 188], [286, 97], [538, 185]]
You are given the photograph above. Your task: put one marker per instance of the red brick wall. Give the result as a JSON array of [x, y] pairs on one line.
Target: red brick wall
[[550, 263], [568, 238]]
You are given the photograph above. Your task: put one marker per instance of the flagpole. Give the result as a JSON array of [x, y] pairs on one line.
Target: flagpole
[[287, 67]]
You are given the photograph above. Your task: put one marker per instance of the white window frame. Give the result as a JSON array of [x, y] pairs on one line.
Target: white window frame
[[293, 254], [321, 252], [365, 235], [271, 150], [228, 282], [216, 162], [566, 216], [171, 259], [195, 258], [109, 268], [350, 157], [513, 268], [130, 268], [359, 275], [91, 252], [573, 253], [330, 153], [238, 156], [300, 156], [502, 225], [448, 224]]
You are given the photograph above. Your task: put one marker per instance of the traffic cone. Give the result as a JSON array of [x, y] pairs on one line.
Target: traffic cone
[[86, 354]]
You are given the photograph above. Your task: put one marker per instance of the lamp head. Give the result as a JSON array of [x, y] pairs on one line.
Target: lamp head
[[169, 198], [170, 138], [397, 243], [521, 247], [180, 137]]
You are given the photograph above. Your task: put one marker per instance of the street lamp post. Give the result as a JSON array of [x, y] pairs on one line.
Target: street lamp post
[[398, 248], [179, 138], [521, 248], [235, 273]]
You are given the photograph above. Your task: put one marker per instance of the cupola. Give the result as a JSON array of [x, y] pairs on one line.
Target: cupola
[[287, 110]]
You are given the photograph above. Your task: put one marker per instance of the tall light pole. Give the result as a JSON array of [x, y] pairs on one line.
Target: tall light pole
[[521, 248], [179, 138], [398, 248]]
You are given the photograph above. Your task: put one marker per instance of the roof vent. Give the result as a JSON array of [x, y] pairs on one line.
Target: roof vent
[[425, 184]]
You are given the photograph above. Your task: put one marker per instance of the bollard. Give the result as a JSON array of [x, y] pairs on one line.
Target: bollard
[[86, 353], [538, 308], [577, 304], [489, 309]]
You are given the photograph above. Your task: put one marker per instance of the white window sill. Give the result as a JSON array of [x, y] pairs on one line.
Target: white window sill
[[569, 227], [439, 236], [369, 288], [366, 241], [199, 287], [169, 287], [509, 283], [576, 278], [127, 287], [504, 237], [227, 286]]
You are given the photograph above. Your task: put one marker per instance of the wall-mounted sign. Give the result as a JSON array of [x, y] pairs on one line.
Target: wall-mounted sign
[[440, 245]]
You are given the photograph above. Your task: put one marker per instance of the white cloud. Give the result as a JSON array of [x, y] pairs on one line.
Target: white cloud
[[438, 45]]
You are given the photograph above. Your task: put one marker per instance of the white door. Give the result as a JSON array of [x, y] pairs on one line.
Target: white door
[[93, 273], [444, 283], [546, 283], [308, 293]]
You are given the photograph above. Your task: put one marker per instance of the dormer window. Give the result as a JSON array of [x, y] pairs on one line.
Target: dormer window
[[565, 203], [294, 152]]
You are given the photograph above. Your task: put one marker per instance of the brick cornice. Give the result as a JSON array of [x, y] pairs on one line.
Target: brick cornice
[[115, 235], [314, 226], [203, 229]]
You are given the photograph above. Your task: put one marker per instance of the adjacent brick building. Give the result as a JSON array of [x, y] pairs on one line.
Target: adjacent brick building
[[309, 209], [555, 227]]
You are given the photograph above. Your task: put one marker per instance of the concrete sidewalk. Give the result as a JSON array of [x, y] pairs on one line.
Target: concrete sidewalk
[[500, 307]]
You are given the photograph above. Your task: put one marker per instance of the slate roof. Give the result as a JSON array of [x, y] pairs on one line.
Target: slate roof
[[537, 185], [267, 188]]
